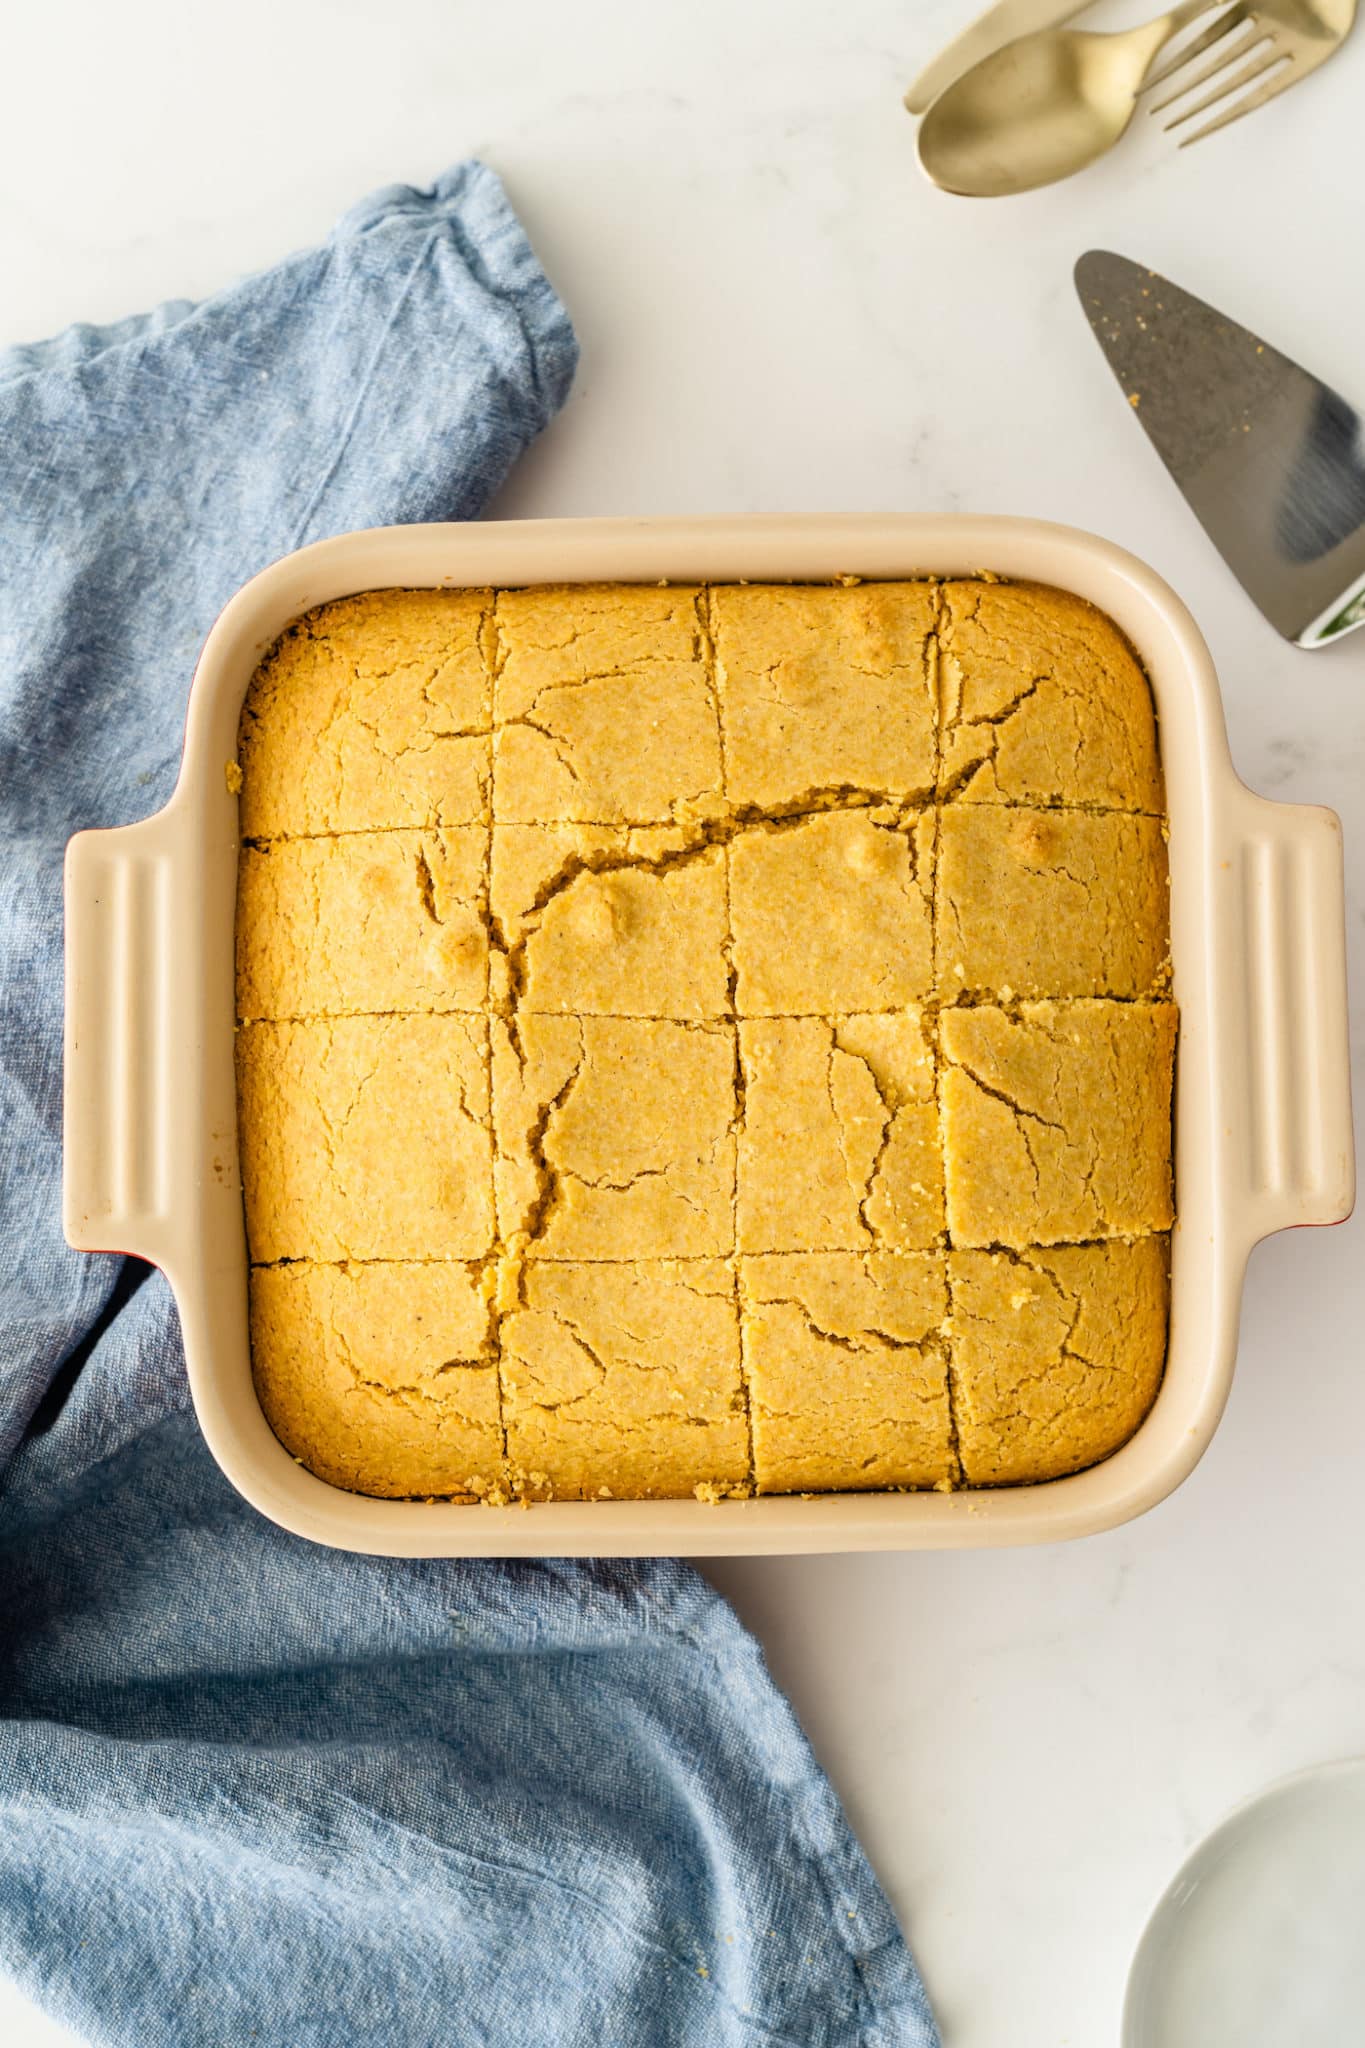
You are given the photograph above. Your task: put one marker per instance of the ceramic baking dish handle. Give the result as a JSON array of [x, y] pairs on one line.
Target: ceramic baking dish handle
[[128, 1041], [1292, 1156]]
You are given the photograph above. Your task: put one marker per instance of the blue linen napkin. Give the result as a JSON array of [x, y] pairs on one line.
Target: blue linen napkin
[[251, 1790]]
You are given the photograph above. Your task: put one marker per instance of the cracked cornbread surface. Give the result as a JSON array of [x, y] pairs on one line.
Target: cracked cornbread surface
[[703, 1040]]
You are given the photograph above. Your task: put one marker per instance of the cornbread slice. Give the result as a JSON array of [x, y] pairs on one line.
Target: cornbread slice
[[1051, 903], [1042, 701], [380, 1378], [1057, 1355], [625, 1380], [371, 712], [366, 1138], [643, 940], [604, 708], [372, 921], [833, 913], [846, 1370], [825, 688], [615, 1137], [1057, 1121], [838, 1148]]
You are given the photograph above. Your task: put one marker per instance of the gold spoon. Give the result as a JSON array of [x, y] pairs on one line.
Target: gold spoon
[[1042, 107]]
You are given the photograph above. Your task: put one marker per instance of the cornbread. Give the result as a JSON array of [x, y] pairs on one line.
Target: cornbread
[[855, 884], [703, 1040], [1056, 1121], [363, 923], [839, 1146], [613, 1374], [1056, 1354], [847, 1370], [604, 710], [370, 714]]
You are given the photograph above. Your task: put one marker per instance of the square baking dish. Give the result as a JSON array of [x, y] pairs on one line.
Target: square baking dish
[[1263, 1135]]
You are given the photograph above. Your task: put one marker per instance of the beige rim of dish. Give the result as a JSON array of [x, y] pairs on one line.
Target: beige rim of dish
[[1263, 1136]]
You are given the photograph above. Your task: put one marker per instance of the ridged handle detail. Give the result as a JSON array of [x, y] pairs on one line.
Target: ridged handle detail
[[120, 1170], [1297, 1164]]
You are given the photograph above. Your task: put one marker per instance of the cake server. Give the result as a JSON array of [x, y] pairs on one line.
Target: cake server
[[1270, 461]]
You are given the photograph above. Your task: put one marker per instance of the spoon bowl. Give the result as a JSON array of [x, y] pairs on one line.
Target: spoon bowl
[[1042, 107]]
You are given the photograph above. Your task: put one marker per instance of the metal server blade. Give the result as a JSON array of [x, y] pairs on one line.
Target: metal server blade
[[1270, 460]]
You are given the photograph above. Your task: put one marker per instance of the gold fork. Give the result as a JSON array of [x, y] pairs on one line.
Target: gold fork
[[1277, 41]]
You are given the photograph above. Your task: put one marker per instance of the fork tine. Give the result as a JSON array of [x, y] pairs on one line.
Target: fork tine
[[1257, 66], [1236, 47], [1288, 75], [1235, 17]]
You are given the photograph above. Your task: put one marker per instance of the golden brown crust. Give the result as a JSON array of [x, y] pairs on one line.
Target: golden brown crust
[[605, 711], [838, 1148], [366, 1138], [369, 922], [655, 1000], [833, 913], [1051, 903], [615, 1137]]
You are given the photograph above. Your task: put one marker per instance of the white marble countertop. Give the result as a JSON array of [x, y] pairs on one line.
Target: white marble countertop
[[778, 313]]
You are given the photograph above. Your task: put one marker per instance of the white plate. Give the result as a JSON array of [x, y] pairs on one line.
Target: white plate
[[1260, 1940]]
